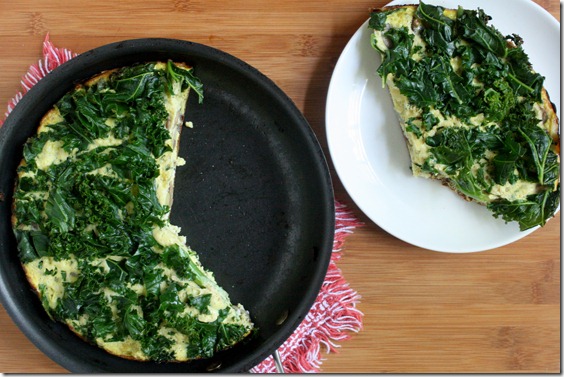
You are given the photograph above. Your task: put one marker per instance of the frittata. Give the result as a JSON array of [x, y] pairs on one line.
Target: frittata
[[91, 217], [474, 113]]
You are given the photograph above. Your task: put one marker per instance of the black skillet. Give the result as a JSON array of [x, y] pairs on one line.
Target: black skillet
[[255, 201]]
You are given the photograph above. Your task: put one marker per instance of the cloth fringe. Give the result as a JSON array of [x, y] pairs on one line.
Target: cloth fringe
[[332, 318], [52, 58]]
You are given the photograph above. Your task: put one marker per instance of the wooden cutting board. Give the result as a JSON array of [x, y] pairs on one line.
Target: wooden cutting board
[[496, 311]]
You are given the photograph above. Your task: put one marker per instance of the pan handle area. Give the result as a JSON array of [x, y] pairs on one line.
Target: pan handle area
[[278, 362]]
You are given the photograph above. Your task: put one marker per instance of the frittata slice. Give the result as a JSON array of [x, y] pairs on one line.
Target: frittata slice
[[474, 113]]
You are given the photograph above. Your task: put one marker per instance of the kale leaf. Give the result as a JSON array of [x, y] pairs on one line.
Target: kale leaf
[[473, 26], [377, 20], [545, 160], [182, 262], [186, 79], [59, 212], [530, 212], [440, 31], [508, 161]]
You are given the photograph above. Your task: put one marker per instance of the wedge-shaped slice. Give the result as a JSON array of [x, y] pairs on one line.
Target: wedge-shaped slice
[[91, 209], [474, 113]]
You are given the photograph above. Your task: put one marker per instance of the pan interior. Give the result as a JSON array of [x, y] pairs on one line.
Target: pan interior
[[254, 200]]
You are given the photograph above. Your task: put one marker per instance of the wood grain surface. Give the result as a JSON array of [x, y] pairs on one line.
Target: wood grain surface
[[494, 311]]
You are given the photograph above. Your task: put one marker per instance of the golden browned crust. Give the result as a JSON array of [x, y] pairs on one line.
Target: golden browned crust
[[392, 7], [552, 122]]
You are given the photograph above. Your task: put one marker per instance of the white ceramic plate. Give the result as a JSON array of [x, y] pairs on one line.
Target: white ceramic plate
[[370, 156]]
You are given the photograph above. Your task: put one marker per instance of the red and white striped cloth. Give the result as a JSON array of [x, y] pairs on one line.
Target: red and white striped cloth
[[52, 58], [332, 318]]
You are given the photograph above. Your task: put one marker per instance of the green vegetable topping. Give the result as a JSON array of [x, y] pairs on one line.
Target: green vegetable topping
[[489, 132], [98, 209]]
